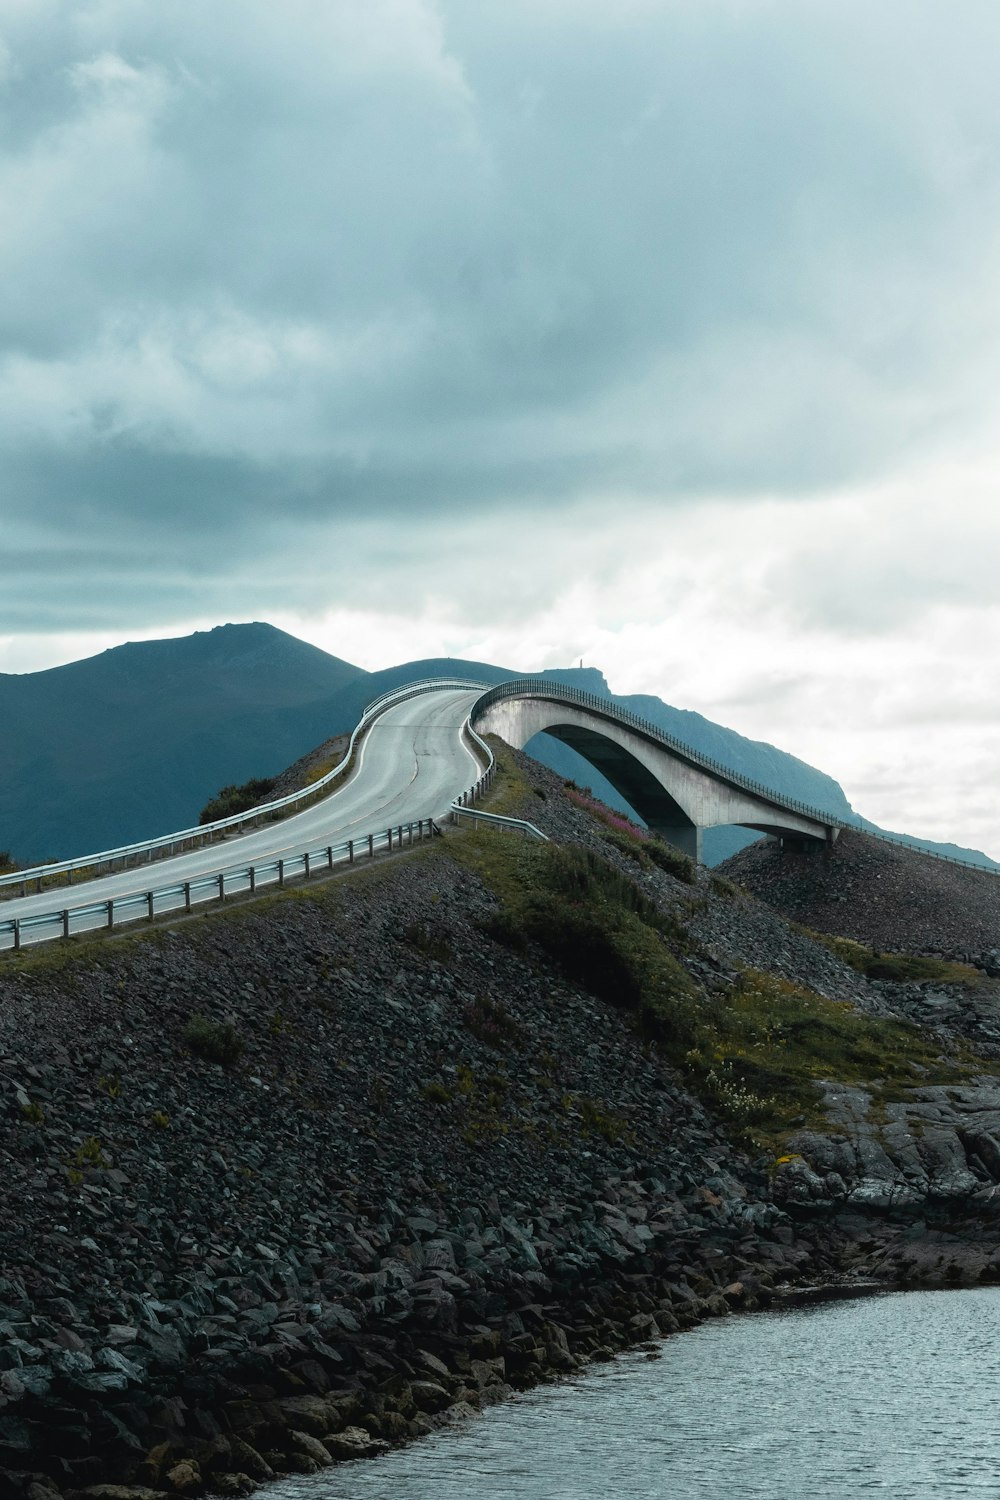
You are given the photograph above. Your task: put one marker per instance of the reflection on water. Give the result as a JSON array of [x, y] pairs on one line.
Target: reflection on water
[[894, 1396]]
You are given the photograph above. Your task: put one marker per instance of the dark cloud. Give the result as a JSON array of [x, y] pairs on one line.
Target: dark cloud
[[325, 267]]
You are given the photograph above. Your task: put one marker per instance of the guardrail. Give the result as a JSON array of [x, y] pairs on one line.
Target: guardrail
[[172, 843], [220, 885], [476, 816], [462, 807], [519, 687]]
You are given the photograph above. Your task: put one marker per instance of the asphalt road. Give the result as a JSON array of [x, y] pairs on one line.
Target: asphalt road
[[411, 764]]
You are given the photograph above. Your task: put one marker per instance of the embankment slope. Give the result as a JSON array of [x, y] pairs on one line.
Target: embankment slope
[[307, 1178]]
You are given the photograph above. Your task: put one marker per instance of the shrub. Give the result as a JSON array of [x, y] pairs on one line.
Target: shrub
[[215, 1041], [674, 861], [903, 968], [426, 941], [230, 800], [490, 1021]]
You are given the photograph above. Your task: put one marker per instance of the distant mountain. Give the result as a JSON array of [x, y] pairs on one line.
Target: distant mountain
[[133, 742]]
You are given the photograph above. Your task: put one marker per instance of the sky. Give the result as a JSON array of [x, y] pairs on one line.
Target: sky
[[663, 335]]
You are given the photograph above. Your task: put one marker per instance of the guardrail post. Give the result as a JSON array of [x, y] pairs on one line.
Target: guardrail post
[[16, 929], [388, 835], [252, 877], [65, 917], [187, 895], [329, 856], [281, 872], [305, 864], [371, 845], [222, 885], [350, 851], [111, 913], [149, 905]]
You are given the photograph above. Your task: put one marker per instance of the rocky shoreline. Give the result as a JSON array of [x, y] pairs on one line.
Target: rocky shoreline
[[305, 1179]]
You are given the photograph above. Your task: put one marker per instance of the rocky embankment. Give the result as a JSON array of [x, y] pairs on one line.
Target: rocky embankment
[[880, 894], [307, 1178]]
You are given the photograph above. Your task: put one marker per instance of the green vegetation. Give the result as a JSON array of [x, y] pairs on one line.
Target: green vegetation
[[908, 968], [215, 1041], [7, 862], [511, 791], [646, 848], [88, 1156], [230, 800], [754, 1054], [321, 769], [491, 1022], [426, 941], [592, 921], [768, 1042]]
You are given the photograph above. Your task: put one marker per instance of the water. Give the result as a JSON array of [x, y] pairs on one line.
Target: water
[[891, 1396]]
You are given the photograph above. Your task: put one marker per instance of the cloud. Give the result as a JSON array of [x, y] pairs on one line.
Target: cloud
[[661, 332], [410, 259]]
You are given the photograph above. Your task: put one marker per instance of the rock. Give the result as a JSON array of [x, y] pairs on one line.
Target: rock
[[428, 1396], [354, 1442], [184, 1478], [303, 1442], [247, 1459]]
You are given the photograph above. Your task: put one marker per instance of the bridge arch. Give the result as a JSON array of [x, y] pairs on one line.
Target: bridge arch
[[676, 790]]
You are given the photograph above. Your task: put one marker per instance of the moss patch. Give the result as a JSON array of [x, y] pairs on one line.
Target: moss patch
[[755, 1054], [905, 968]]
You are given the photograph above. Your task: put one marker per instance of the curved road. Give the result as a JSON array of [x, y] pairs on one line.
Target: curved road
[[412, 763]]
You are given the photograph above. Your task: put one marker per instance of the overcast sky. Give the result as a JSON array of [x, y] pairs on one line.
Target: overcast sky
[[661, 333]]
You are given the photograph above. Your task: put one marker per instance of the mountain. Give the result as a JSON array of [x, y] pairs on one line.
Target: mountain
[[133, 742], [130, 743]]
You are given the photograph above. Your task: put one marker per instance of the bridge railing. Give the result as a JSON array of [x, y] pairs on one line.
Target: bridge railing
[[219, 885], [539, 688], [170, 843], [520, 687]]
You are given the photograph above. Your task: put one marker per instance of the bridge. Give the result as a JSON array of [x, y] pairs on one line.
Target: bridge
[[675, 790], [412, 758]]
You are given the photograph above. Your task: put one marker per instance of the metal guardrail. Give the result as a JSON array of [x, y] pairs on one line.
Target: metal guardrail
[[463, 808], [535, 687], [181, 896], [172, 843], [519, 687], [476, 816]]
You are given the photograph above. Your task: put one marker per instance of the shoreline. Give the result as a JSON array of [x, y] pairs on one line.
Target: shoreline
[[390, 1384]]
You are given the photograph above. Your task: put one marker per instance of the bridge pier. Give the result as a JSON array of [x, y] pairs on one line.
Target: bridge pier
[[683, 836]]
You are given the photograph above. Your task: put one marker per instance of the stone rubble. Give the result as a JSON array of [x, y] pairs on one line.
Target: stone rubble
[[387, 1214]]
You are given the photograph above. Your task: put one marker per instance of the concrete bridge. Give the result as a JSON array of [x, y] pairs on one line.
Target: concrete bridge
[[677, 791]]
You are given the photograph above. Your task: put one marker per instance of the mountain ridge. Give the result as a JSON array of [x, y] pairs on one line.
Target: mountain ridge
[[131, 742]]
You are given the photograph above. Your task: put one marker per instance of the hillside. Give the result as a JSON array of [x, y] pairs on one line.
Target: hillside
[[878, 894], [309, 1177]]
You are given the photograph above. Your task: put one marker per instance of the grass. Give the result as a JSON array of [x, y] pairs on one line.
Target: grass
[[647, 849], [511, 793], [907, 968], [215, 1041], [755, 1054]]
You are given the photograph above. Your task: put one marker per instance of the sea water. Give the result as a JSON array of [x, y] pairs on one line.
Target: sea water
[[894, 1395]]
